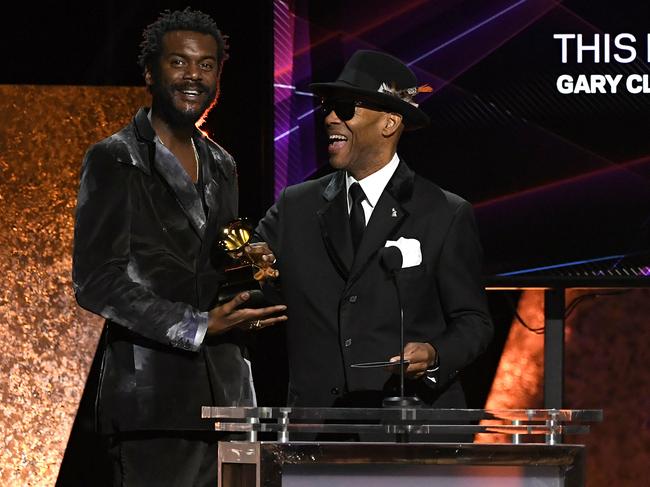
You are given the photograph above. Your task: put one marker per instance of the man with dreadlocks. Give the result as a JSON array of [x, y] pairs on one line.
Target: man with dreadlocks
[[151, 199]]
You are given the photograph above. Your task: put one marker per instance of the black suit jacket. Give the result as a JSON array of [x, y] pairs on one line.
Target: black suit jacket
[[145, 259], [344, 309]]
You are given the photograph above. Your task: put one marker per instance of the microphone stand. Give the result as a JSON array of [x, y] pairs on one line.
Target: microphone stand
[[401, 401]]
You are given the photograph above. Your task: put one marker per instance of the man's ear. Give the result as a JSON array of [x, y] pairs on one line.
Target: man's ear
[[148, 77], [391, 125]]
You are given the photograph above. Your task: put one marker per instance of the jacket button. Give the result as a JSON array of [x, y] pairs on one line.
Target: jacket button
[[352, 299], [334, 391], [348, 342]]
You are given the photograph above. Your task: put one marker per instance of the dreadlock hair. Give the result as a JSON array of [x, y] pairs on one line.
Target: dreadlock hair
[[168, 21]]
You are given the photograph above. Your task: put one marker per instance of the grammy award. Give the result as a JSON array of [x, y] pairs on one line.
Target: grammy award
[[248, 269]]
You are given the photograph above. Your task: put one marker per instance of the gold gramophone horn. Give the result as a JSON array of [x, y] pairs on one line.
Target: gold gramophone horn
[[234, 236]]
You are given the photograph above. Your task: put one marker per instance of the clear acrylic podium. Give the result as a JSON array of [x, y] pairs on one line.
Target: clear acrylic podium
[[400, 447]]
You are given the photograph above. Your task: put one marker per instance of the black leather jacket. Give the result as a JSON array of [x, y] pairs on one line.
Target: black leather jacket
[[145, 259]]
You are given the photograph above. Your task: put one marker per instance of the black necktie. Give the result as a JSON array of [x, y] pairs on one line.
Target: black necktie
[[357, 217]]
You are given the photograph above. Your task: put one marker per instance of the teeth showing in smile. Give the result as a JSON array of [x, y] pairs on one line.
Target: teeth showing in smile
[[191, 92], [337, 138]]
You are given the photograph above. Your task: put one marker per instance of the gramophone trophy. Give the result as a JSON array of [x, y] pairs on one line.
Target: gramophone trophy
[[248, 268]]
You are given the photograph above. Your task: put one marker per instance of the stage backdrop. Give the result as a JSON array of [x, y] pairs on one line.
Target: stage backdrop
[[48, 342]]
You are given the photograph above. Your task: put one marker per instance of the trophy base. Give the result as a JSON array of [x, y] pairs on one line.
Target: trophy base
[[239, 279], [256, 300]]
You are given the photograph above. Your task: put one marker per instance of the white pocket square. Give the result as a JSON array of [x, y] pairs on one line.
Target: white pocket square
[[410, 250]]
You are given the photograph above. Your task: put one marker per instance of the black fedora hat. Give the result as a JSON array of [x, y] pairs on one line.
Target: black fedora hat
[[382, 80]]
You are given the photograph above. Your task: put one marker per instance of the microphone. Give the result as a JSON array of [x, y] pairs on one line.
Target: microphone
[[391, 260]]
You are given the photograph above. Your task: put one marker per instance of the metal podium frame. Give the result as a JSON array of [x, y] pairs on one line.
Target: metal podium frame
[[405, 440]]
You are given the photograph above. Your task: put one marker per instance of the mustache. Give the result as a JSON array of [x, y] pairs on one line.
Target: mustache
[[196, 86]]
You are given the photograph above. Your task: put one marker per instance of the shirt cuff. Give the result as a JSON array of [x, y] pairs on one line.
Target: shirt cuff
[[189, 333], [431, 376], [201, 330]]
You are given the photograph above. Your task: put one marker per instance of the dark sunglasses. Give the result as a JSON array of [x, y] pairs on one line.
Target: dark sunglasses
[[344, 109]]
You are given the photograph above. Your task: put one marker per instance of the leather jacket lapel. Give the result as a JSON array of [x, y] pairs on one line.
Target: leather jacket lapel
[[211, 188], [182, 186], [210, 181], [334, 225], [168, 167]]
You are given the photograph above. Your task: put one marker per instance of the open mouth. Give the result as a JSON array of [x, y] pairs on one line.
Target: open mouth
[[190, 93], [336, 142]]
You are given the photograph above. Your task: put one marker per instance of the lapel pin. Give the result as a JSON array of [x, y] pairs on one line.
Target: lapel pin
[[393, 213]]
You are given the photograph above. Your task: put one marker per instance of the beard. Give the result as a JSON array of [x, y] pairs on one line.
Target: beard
[[163, 98]]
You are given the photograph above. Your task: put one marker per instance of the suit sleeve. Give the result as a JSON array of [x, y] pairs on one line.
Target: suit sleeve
[[269, 230], [469, 327], [102, 246]]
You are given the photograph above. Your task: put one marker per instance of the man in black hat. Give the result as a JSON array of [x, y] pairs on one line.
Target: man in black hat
[[327, 234]]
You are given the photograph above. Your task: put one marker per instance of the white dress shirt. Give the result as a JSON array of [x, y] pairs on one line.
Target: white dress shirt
[[373, 186]]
